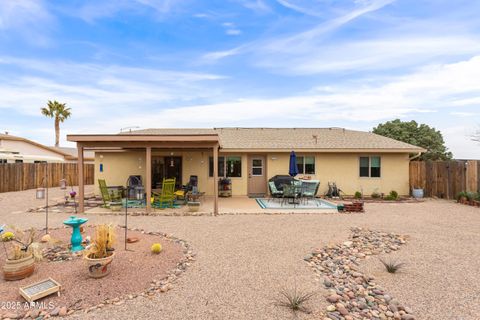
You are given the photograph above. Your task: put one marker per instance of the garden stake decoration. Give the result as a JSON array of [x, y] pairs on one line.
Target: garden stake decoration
[[72, 193], [42, 193], [126, 213]]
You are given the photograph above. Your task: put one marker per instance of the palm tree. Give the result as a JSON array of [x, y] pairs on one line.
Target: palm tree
[[60, 112]]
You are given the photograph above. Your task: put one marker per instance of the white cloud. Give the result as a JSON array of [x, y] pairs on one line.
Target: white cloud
[[376, 54], [92, 10], [91, 89], [29, 18], [458, 139], [271, 47], [233, 32], [107, 98], [298, 8], [258, 6]]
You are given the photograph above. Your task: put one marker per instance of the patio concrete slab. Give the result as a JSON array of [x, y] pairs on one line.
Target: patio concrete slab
[[232, 205]]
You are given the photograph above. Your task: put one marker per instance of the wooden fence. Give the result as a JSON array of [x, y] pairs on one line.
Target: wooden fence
[[444, 179], [23, 176]]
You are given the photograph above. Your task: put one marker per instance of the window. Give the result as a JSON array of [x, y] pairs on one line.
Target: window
[[221, 166], [3, 160], [18, 161], [257, 167], [370, 167], [306, 165], [234, 167], [230, 166]]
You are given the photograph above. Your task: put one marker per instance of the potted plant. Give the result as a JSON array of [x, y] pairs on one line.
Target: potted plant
[[461, 197], [193, 206], [470, 198], [21, 254], [100, 253], [417, 193]]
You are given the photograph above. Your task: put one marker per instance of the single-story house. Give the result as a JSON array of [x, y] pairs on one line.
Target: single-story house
[[355, 160], [15, 149]]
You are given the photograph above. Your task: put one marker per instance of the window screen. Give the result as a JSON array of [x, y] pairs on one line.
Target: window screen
[[375, 167]]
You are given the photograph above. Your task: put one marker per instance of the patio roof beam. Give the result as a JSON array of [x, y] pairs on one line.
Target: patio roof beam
[[215, 179], [148, 175], [81, 186]]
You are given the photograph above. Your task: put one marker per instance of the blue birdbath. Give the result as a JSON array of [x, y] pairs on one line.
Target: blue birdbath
[[76, 240]]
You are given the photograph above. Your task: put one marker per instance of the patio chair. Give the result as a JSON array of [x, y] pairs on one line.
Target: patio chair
[[166, 198], [275, 193], [290, 191], [310, 189], [109, 196]]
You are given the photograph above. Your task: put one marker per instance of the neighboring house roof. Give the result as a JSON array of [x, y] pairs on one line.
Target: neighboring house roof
[[73, 152], [282, 139], [66, 153]]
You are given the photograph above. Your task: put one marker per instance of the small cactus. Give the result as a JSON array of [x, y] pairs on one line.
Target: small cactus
[[7, 236], [156, 248]]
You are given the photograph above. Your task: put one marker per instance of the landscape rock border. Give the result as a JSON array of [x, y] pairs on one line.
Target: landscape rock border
[[352, 294], [156, 286]]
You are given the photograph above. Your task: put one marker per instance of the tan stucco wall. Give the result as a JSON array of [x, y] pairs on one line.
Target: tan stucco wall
[[344, 170], [341, 168], [118, 166]]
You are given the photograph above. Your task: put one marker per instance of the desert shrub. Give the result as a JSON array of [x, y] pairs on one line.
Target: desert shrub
[[393, 195], [358, 195], [392, 266], [376, 195], [471, 196], [294, 299], [461, 194]]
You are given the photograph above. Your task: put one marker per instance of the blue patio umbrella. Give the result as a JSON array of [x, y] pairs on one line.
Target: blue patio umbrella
[[293, 169]]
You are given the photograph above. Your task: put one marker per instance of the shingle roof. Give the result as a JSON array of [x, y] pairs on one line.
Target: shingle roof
[[171, 131], [292, 138]]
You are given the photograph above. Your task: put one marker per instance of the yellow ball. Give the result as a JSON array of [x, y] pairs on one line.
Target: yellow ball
[[156, 248]]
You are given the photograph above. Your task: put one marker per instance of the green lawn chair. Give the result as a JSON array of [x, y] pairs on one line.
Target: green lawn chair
[[165, 199], [109, 196]]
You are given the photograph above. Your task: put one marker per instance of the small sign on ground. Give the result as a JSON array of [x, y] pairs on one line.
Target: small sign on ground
[[40, 289]]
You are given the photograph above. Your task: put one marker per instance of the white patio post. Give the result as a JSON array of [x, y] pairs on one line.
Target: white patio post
[[215, 180], [148, 175], [81, 186]]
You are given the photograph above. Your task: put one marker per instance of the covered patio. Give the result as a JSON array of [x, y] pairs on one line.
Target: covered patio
[[115, 145], [226, 206]]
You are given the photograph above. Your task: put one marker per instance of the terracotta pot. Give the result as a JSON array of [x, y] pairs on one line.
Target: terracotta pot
[[18, 269], [99, 268]]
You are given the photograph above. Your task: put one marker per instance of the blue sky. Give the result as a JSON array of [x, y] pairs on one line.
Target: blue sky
[[270, 63]]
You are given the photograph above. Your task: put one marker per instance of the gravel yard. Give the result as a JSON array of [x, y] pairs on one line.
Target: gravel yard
[[243, 261], [132, 271]]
